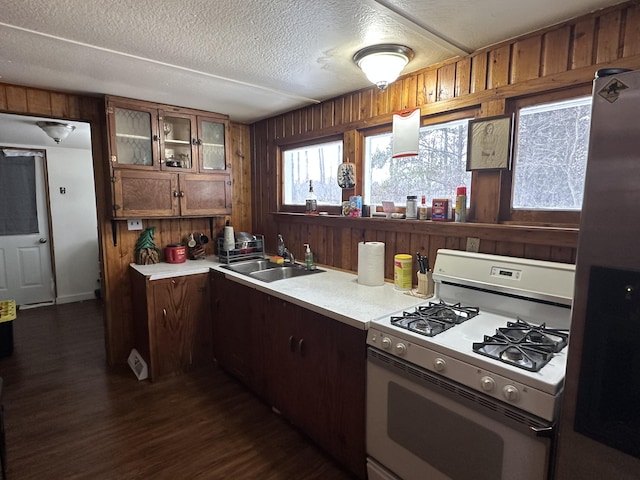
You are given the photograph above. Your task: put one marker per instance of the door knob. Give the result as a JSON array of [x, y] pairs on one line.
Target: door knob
[[43, 240]]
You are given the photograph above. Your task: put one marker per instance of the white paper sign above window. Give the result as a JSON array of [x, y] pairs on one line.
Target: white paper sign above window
[[406, 133]]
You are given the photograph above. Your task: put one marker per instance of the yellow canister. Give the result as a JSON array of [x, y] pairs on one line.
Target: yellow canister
[[402, 271]]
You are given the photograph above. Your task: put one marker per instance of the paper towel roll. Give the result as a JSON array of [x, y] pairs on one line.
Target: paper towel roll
[[229, 238], [371, 263]]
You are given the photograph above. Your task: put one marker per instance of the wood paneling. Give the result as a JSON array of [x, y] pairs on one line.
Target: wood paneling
[[555, 51], [559, 57], [334, 240]]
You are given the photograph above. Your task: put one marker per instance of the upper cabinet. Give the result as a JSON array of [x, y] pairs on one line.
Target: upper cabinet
[[162, 139]]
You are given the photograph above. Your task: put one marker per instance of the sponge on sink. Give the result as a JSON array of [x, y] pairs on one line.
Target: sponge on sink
[[276, 259]]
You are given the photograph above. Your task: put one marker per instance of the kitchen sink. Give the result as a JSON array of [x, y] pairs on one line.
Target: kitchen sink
[[267, 271], [249, 266]]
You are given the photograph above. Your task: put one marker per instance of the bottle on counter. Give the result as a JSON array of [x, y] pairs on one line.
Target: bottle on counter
[[308, 258], [461, 204], [311, 203], [422, 210], [412, 207]]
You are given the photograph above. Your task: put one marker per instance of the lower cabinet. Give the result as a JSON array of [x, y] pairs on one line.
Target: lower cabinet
[[172, 323], [238, 329], [309, 367]]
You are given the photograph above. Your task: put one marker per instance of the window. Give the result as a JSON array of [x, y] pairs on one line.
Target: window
[[436, 172], [551, 155], [318, 163]]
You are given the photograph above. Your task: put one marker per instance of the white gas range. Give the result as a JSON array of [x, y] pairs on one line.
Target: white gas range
[[488, 352]]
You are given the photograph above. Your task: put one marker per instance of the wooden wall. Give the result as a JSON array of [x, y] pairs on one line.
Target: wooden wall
[[116, 257], [560, 57]]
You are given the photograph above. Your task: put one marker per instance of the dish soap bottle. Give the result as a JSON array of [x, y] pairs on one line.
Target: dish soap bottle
[[308, 258], [311, 203]]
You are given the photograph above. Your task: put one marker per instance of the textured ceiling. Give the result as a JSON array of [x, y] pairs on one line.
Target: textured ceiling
[[250, 59]]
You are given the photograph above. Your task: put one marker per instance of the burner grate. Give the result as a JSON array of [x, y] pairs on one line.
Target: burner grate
[[523, 345], [435, 318]]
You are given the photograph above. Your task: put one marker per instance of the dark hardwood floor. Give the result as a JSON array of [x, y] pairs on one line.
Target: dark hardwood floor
[[68, 416]]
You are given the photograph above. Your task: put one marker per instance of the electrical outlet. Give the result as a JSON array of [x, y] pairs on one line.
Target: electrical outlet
[[135, 224], [473, 244]]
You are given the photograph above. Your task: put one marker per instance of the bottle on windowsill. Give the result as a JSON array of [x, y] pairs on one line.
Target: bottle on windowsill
[[311, 203], [422, 210]]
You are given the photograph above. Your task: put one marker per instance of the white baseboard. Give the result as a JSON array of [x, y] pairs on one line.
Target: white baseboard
[[79, 297]]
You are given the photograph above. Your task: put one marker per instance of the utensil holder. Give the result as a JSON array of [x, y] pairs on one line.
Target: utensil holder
[[425, 284]]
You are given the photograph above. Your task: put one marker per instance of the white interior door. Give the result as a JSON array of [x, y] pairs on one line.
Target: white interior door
[[26, 274]]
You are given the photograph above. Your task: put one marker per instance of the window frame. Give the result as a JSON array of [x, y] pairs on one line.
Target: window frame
[[428, 120], [507, 214], [290, 208]]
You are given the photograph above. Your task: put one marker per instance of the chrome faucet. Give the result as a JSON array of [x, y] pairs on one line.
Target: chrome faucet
[[289, 255], [284, 251]]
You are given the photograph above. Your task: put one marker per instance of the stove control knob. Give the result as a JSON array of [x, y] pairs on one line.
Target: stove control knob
[[487, 383], [386, 343], [511, 393], [401, 349], [439, 364]]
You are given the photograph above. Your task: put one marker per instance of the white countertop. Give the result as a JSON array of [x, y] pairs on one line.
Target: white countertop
[[332, 293]]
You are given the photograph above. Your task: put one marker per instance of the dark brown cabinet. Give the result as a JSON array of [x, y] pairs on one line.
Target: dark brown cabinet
[[172, 322], [167, 161], [238, 331], [310, 367]]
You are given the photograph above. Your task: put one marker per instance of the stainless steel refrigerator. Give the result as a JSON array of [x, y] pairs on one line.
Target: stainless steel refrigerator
[[599, 432]]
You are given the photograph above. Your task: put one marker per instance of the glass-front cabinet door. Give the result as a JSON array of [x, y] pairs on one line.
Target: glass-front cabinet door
[[178, 143], [212, 144], [133, 136]]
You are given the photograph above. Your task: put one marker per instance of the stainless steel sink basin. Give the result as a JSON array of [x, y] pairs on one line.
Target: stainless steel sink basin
[[249, 266], [267, 271]]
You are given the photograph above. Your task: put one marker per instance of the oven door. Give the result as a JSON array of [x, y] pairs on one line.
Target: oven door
[[422, 426]]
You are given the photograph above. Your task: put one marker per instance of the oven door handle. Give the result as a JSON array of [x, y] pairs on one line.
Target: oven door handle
[[544, 432]]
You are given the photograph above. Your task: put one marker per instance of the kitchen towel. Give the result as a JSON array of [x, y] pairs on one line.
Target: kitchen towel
[[371, 263]]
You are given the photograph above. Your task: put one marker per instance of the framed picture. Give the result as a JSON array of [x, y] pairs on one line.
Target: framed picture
[[489, 146], [347, 175]]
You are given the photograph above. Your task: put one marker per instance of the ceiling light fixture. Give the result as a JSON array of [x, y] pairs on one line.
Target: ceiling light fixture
[[383, 63], [57, 131]]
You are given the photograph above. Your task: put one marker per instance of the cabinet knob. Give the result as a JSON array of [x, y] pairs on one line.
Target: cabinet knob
[[155, 138], [182, 193], [301, 346], [164, 312], [176, 194], [292, 343]]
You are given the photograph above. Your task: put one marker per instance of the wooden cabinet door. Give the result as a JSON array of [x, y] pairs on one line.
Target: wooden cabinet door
[[347, 396], [238, 331], [180, 328], [144, 194], [316, 377], [133, 135], [281, 356], [205, 194]]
